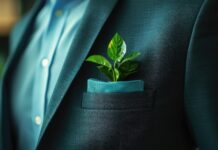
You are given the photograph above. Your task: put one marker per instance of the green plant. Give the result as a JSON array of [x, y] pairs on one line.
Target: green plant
[[123, 65]]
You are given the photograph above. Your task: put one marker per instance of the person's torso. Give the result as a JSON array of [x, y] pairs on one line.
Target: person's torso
[[161, 31]]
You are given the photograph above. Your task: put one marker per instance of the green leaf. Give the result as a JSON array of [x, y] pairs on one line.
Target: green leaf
[[128, 68], [105, 70], [100, 60], [131, 56], [116, 48]]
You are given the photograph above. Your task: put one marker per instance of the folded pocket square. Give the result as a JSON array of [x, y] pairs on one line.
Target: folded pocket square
[[97, 86]]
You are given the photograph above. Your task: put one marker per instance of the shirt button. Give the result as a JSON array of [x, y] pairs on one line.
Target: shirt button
[[58, 13], [38, 120], [45, 62]]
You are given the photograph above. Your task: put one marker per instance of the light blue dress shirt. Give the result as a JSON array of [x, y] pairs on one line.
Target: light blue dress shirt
[[38, 71]]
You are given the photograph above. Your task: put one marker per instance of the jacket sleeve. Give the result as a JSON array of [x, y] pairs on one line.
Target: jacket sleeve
[[201, 81]]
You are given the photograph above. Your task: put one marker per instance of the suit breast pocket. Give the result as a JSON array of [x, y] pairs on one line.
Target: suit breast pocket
[[117, 95], [118, 121], [119, 101]]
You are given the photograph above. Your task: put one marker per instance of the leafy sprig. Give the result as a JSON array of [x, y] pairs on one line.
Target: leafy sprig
[[123, 65]]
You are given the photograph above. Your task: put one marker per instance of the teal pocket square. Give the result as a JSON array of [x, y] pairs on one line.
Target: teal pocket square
[[97, 86]]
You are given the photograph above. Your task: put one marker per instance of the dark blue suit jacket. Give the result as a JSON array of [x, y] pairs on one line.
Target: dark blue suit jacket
[[178, 110]]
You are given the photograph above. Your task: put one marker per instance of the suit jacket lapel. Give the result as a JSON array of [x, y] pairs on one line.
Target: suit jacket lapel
[[23, 35], [18, 48], [92, 22], [24, 32]]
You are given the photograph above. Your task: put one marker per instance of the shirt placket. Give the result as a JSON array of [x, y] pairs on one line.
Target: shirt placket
[[49, 43]]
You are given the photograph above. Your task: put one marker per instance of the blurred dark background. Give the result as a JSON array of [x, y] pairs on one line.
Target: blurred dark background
[[10, 12]]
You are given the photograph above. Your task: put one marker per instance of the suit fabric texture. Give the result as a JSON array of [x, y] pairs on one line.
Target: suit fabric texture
[[177, 109]]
